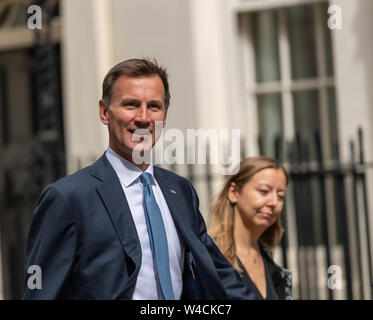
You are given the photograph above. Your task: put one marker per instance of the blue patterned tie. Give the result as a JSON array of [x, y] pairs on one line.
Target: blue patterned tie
[[158, 237]]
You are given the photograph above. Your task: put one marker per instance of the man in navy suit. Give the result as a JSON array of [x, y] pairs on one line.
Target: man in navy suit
[[90, 237]]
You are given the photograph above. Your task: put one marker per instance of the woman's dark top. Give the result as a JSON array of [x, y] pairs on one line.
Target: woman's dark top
[[271, 293], [278, 280]]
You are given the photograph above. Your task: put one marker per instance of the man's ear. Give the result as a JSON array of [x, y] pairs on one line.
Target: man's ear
[[232, 193], [103, 112]]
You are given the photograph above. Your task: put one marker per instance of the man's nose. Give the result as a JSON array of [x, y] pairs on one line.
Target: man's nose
[[142, 114]]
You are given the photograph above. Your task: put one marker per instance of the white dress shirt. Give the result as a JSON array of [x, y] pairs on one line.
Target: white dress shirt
[[146, 285]]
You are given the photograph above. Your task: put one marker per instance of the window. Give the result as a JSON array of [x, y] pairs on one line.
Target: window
[[290, 73]]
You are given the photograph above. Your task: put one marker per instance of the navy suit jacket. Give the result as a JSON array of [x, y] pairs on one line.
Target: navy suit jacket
[[85, 242]]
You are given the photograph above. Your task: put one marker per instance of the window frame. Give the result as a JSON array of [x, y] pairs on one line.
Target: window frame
[[286, 85]]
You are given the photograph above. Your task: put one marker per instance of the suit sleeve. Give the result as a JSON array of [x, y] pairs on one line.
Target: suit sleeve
[[51, 247], [229, 277]]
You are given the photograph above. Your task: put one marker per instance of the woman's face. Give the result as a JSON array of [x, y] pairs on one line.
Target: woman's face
[[261, 199]]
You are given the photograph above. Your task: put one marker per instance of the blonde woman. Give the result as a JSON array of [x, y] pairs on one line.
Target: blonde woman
[[245, 223]]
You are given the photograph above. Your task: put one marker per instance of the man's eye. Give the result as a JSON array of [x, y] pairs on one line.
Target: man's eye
[[263, 191], [129, 105], [155, 107]]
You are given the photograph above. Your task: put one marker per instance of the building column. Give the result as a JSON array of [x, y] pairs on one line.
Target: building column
[[87, 54]]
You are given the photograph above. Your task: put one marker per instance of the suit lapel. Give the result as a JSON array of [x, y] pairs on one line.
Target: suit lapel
[[112, 195], [171, 194], [183, 219]]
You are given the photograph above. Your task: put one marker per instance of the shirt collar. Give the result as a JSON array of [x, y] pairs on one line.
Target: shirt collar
[[127, 171]]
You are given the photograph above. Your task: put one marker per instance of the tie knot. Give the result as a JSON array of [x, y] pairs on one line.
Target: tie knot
[[145, 179]]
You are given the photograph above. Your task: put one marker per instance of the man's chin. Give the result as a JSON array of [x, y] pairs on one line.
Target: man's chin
[[141, 147], [141, 153]]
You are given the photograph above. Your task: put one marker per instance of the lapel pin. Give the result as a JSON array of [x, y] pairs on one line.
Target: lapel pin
[[173, 191]]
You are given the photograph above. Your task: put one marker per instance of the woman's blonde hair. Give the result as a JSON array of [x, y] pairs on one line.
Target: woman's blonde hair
[[221, 218]]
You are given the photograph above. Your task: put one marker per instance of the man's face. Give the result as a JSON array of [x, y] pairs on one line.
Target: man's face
[[136, 104]]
